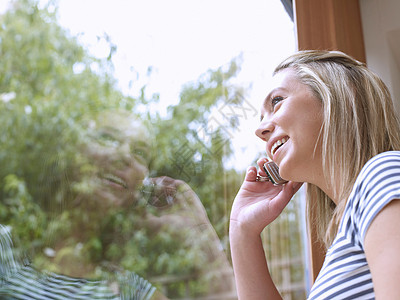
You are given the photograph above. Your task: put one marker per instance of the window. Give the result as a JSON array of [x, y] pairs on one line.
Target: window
[[126, 131]]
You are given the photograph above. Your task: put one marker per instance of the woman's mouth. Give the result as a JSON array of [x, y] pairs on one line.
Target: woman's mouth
[[278, 144], [115, 180]]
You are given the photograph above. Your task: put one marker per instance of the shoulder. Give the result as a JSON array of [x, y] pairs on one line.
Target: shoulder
[[377, 185], [388, 162], [383, 158], [379, 171]]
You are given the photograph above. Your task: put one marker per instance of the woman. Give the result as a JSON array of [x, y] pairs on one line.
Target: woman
[[329, 122]]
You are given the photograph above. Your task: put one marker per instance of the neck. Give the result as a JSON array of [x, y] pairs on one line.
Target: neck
[[330, 194], [327, 188]]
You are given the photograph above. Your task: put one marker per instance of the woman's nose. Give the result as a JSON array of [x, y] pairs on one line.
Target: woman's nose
[[265, 129]]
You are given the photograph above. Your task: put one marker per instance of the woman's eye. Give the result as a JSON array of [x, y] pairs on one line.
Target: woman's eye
[[276, 100]]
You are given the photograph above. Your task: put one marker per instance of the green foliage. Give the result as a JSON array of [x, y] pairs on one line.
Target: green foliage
[[50, 102], [51, 90], [194, 140], [22, 214]]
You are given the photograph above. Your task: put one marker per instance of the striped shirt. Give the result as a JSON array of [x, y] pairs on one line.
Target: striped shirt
[[345, 273], [20, 281]]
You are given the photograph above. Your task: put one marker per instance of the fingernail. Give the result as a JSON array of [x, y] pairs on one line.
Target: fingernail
[[250, 171]]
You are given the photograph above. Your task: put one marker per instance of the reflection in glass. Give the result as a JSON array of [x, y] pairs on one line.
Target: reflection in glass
[[100, 196], [116, 220]]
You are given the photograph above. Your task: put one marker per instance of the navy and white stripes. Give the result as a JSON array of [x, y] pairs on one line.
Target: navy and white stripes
[[18, 281], [345, 273]]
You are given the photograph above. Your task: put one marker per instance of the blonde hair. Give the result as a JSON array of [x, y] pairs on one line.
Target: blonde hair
[[359, 122]]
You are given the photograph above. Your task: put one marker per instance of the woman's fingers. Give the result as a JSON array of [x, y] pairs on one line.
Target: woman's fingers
[[283, 198], [260, 164], [262, 161], [251, 174], [288, 191]]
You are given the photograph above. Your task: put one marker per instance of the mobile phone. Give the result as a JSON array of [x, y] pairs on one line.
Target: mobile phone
[[272, 171]]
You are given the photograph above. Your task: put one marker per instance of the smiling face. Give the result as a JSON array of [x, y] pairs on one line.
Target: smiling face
[[118, 154], [120, 171], [291, 120]]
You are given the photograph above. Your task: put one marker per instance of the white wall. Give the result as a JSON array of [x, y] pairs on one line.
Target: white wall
[[381, 28]]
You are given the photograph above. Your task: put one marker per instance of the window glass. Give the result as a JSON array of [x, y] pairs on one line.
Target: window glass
[[126, 130]]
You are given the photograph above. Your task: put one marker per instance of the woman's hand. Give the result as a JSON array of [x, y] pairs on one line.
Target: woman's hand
[[257, 204]]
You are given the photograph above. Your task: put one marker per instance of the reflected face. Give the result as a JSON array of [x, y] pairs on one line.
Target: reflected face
[[121, 165], [291, 120]]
